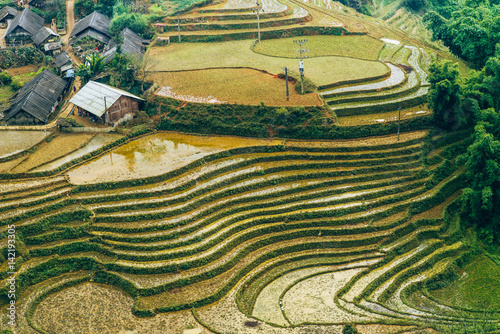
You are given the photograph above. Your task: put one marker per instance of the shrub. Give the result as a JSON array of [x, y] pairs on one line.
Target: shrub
[[16, 85], [5, 78], [349, 329]]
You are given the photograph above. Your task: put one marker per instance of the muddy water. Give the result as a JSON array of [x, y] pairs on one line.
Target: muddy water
[[155, 155], [12, 142]]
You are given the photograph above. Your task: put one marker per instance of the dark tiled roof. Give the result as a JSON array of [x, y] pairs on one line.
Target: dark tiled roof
[[62, 59], [27, 20], [96, 21], [6, 11], [42, 35], [38, 96], [91, 33], [132, 44]]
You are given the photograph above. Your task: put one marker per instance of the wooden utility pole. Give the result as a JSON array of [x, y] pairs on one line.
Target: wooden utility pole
[[179, 27], [399, 121], [257, 10], [286, 80]]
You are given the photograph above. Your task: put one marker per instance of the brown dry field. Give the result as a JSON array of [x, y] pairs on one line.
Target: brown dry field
[[236, 86], [58, 147], [99, 309], [22, 70]]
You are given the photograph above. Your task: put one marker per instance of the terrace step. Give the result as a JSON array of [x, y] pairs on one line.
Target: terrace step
[[361, 108]]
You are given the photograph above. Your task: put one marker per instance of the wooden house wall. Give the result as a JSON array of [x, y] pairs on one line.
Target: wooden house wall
[[122, 106]]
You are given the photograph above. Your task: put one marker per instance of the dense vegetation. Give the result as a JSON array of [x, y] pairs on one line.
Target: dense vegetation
[[474, 102]]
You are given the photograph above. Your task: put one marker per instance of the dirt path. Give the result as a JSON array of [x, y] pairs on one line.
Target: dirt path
[[70, 19]]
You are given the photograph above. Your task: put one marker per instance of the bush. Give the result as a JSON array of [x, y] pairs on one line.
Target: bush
[[349, 329], [5, 78], [309, 87], [16, 85]]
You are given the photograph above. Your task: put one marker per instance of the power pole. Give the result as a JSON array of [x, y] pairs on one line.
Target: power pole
[[286, 80], [399, 121], [257, 10], [301, 55], [179, 27]]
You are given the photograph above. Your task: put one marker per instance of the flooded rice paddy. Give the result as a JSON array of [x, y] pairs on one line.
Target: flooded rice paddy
[[95, 143], [155, 155]]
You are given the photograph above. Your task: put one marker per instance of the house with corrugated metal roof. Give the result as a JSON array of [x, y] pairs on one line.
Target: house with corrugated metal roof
[[23, 27], [37, 99], [104, 103], [95, 25]]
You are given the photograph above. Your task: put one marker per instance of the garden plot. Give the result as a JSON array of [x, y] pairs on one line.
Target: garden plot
[[95, 143], [13, 142], [321, 70]]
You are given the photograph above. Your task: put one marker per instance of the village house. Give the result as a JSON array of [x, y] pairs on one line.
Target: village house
[[37, 99], [95, 25], [131, 45], [45, 35], [7, 14], [63, 62], [104, 103], [23, 27]]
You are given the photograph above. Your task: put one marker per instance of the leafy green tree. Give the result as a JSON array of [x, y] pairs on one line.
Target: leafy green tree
[[123, 71], [93, 65], [472, 32], [481, 199], [444, 94], [138, 23]]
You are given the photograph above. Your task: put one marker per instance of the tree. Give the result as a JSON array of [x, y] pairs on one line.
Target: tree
[[481, 199], [146, 65], [122, 69], [93, 65], [444, 94], [415, 5]]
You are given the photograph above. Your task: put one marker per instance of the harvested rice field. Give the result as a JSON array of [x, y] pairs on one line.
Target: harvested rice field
[[322, 70], [362, 47], [234, 86], [13, 142], [49, 151]]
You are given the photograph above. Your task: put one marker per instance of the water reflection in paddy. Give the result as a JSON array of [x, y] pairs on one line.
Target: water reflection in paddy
[[155, 155]]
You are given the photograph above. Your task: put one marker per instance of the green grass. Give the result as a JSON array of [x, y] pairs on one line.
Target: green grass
[[477, 288], [321, 70], [5, 93], [362, 47]]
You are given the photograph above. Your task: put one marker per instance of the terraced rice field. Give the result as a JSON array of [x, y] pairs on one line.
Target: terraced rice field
[[303, 232]]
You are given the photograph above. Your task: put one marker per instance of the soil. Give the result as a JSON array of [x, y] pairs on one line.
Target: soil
[[96, 308], [23, 70]]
